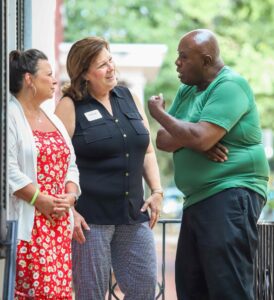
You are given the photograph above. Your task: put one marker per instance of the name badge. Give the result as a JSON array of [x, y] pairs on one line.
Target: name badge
[[93, 115]]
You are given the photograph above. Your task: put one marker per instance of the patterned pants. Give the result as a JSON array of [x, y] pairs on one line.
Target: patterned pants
[[129, 249]]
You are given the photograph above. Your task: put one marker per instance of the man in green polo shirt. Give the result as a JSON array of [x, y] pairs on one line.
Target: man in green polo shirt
[[223, 201]]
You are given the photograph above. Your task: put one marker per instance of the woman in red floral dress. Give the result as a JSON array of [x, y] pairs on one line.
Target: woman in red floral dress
[[43, 182]]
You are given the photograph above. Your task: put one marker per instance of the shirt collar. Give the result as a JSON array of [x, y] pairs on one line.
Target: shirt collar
[[116, 92]]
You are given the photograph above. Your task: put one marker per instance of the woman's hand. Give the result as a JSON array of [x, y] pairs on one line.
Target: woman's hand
[[49, 206], [217, 153], [68, 198], [79, 225], [154, 202]]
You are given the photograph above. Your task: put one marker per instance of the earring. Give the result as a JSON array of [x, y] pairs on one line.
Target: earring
[[34, 90]]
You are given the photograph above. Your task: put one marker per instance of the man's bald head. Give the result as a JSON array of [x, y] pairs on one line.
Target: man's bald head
[[199, 60], [203, 41]]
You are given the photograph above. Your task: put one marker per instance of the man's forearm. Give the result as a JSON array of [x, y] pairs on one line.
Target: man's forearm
[[182, 134], [166, 142], [200, 136]]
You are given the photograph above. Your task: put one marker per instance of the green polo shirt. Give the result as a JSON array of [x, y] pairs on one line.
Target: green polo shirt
[[229, 103]]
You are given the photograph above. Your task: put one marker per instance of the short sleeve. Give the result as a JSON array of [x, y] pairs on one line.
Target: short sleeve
[[172, 109], [226, 104]]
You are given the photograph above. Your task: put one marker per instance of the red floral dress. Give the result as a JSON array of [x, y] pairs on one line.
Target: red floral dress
[[43, 265]]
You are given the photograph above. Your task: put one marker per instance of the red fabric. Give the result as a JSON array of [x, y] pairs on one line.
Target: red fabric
[[43, 265]]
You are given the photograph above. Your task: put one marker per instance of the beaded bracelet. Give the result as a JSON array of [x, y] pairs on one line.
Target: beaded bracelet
[[34, 197]]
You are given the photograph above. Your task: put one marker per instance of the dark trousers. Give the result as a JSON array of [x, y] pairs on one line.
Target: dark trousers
[[217, 245]]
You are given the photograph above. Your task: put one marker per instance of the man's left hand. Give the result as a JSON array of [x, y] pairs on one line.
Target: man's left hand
[[217, 153]]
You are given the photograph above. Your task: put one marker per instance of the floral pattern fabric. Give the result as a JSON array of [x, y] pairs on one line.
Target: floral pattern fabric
[[43, 265]]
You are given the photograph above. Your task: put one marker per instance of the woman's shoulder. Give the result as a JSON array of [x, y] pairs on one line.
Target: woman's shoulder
[[122, 91], [66, 100], [121, 88], [65, 104]]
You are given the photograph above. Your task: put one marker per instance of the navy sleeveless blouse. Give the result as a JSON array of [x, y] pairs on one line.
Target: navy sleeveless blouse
[[110, 153]]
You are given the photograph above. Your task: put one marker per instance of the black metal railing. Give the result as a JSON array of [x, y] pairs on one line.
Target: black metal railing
[[10, 251], [264, 262], [263, 267], [162, 284]]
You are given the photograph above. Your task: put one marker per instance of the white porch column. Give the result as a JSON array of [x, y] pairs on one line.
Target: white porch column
[[43, 33], [135, 81]]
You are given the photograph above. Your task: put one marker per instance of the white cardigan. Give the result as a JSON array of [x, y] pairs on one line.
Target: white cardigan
[[22, 165]]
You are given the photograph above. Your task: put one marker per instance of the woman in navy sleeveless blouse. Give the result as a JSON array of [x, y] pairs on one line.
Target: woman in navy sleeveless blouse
[[110, 135]]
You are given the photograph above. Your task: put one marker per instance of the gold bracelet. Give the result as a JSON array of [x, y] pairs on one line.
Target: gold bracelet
[[158, 191]]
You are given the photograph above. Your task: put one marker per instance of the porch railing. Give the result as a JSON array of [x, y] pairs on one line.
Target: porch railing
[[8, 247], [264, 263]]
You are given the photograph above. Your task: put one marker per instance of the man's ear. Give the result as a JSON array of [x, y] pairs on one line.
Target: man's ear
[[207, 60]]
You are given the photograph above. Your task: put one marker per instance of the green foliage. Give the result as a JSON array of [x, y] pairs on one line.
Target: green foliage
[[243, 27]]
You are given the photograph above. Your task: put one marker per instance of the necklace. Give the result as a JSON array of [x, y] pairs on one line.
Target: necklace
[[36, 116], [33, 113]]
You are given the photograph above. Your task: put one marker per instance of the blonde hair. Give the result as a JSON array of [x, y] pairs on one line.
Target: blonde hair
[[81, 55]]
